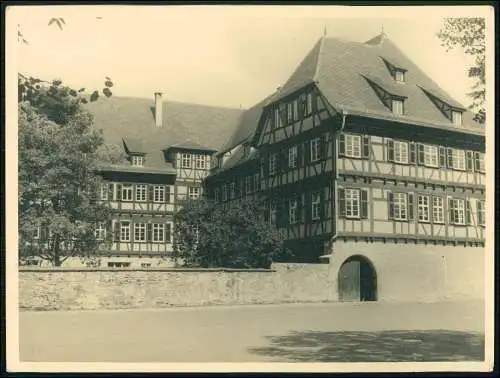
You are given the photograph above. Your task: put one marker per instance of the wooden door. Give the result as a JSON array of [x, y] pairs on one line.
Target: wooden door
[[349, 281]]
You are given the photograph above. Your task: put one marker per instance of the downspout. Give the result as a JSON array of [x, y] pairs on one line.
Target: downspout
[[344, 114]]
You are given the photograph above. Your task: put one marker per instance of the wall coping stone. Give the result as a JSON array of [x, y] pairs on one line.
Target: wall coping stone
[[152, 269]]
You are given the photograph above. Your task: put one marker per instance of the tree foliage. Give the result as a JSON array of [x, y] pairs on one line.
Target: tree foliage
[[469, 34], [59, 150], [209, 234]]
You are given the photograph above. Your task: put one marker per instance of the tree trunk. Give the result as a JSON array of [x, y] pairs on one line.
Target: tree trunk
[[57, 255]]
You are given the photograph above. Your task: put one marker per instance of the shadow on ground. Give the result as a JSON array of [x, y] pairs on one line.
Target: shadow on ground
[[385, 346]]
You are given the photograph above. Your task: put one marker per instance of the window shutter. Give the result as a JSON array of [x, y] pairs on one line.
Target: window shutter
[[450, 211], [44, 233], [149, 232], [341, 202], [117, 231], [421, 154], [476, 161], [118, 192], [168, 232], [150, 193], [110, 192], [366, 146], [307, 152], [442, 157], [470, 161], [468, 213], [449, 157], [342, 144], [411, 206], [109, 230], [480, 212], [166, 199], [299, 208], [390, 201], [322, 204], [413, 153], [322, 146], [390, 150], [364, 203]]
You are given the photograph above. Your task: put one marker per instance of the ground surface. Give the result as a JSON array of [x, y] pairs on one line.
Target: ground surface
[[335, 332]]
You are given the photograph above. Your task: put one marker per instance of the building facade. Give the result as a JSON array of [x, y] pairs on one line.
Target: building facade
[[360, 153]]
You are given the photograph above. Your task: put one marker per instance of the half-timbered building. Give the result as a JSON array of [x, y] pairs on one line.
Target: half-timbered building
[[164, 150], [366, 163]]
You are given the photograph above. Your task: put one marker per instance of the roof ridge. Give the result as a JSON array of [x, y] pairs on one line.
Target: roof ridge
[[318, 62]]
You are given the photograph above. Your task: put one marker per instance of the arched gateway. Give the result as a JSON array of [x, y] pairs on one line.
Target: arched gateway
[[357, 280]]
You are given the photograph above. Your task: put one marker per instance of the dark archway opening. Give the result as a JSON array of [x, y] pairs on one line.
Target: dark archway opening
[[357, 280]]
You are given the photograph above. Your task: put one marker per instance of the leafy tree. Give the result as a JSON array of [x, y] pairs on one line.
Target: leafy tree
[[209, 234], [58, 153], [469, 34]]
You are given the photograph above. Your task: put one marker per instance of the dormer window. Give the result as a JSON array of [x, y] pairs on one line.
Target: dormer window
[[138, 161], [397, 106], [456, 117], [399, 76]]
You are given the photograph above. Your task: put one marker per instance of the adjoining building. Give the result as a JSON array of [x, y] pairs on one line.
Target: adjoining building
[[368, 165]]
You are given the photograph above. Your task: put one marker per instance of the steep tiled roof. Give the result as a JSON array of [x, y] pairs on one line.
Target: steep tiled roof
[[337, 67], [131, 120]]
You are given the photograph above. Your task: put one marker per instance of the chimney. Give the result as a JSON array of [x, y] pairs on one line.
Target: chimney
[[158, 109]]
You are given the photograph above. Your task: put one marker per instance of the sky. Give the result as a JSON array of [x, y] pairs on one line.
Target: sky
[[230, 56]]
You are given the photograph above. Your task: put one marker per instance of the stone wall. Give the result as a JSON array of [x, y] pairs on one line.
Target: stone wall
[[405, 272], [71, 289]]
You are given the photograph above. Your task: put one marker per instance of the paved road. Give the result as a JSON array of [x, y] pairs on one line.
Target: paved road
[[281, 333]]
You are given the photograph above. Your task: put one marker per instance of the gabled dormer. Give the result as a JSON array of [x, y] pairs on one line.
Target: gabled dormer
[[390, 95], [136, 154], [397, 72], [450, 108]]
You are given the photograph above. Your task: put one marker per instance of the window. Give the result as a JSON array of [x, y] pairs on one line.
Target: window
[[456, 118], [272, 164], [292, 211], [194, 192], [138, 160], [315, 149], [256, 182], [140, 232], [352, 203], [457, 159], [141, 193], [145, 265], [292, 157], [104, 192], [112, 264], [232, 190], [309, 103], [168, 232], [399, 76], [316, 206], [224, 192], [125, 231], [437, 210], [186, 160], [158, 232], [397, 107], [400, 152], [430, 156], [277, 117], [457, 211], [248, 184], [289, 109], [217, 194], [423, 208], [479, 162], [36, 233], [353, 146], [481, 219], [272, 213], [127, 192], [100, 231], [400, 207], [200, 161], [159, 193]]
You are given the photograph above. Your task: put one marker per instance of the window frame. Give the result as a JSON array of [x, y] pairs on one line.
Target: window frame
[[352, 142], [315, 145], [431, 152], [456, 118], [104, 191], [158, 229], [200, 161], [438, 213], [137, 160], [423, 208], [125, 226], [248, 184], [192, 196], [481, 220], [394, 108], [293, 156], [460, 211], [273, 158], [399, 76], [273, 211], [143, 229], [141, 189], [159, 191], [400, 202], [316, 205], [458, 156], [127, 188], [398, 153], [100, 231], [186, 160], [295, 206], [352, 203]]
